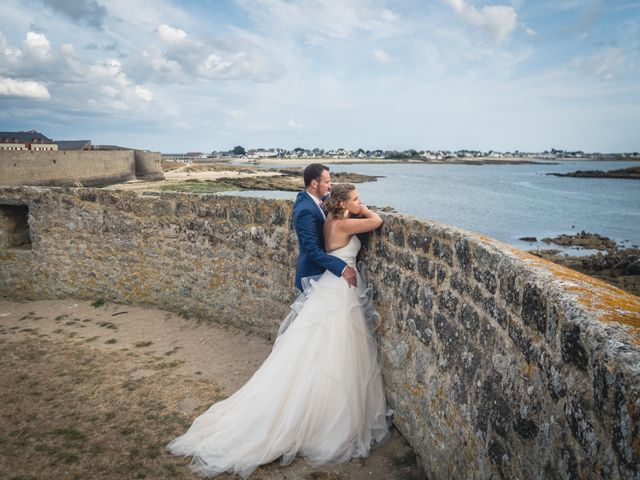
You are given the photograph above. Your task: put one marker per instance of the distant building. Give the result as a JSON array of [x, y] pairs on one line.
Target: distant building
[[73, 144], [30, 140]]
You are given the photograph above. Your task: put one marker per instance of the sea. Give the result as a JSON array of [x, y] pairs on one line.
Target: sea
[[505, 202]]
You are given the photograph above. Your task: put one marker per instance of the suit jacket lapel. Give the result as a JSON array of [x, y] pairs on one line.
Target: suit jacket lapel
[[314, 205]]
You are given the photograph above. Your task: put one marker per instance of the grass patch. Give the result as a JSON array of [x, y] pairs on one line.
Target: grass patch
[[98, 302], [69, 434], [163, 365], [207, 186], [109, 325]]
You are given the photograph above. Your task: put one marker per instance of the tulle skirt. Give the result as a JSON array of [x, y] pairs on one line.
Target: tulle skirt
[[319, 394]]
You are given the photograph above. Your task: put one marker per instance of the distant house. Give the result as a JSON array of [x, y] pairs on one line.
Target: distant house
[[30, 140], [73, 144]]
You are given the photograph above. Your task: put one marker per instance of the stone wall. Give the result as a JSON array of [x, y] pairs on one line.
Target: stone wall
[[77, 167], [498, 364], [202, 256], [148, 165]]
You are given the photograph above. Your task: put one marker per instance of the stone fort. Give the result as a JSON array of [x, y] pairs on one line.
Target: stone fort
[[498, 364]]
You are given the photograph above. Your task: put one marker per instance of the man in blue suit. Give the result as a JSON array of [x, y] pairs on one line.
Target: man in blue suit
[[308, 220]]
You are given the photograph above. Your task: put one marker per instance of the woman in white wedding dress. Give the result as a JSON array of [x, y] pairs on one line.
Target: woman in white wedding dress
[[319, 393]]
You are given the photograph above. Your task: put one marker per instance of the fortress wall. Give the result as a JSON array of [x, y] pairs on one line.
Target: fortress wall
[[498, 364], [66, 167], [148, 165]]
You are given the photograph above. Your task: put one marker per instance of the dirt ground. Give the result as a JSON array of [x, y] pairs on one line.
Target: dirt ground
[[97, 391]]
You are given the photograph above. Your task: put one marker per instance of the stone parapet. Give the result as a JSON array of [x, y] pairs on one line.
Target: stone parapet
[[501, 364], [222, 258], [498, 364]]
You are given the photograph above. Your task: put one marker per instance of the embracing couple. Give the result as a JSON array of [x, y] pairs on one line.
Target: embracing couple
[[319, 393]]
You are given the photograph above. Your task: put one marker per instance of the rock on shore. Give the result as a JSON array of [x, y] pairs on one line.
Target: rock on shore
[[617, 266], [631, 172], [584, 240]]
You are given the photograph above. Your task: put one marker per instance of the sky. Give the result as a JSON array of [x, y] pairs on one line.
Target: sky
[[194, 75]]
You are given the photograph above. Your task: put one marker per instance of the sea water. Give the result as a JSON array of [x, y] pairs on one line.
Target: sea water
[[506, 202]]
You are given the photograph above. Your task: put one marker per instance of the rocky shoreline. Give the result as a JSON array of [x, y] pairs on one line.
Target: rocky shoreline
[[613, 264], [282, 180], [221, 177], [630, 173]]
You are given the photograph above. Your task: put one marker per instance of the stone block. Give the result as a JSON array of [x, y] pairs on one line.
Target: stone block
[[409, 291], [443, 251], [419, 241], [463, 253], [534, 308], [447, 303], [487, 279], [406, 260], [426, 268], [469, 318], [573, 350], [581, 425]]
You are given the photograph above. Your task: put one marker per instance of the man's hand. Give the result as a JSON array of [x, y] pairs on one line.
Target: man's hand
[[349, 274]]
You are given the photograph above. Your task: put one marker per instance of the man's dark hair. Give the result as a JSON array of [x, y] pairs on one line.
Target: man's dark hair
[[312, 172]]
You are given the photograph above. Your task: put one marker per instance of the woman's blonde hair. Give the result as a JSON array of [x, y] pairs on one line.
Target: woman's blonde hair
[[339, 193]]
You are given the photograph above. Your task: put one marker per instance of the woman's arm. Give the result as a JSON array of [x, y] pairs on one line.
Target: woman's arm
[[370, 221]]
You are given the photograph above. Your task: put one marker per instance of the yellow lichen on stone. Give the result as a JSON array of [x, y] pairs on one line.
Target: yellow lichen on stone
[[609, 303], [416, 391]]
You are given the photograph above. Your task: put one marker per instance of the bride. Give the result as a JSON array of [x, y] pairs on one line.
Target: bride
[[319, 393]]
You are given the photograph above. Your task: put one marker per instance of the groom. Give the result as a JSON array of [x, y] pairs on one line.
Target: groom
[[308, 220]]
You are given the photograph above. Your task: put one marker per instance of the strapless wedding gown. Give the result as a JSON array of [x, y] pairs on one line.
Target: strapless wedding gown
[[319, 393]]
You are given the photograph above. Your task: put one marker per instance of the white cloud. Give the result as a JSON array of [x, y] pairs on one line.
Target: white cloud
[[215, 66], [319, 21], [184, 57], [11, 87], [606, 63], [151, 62], [38, 59], [293, 124], [172, 35], [236, 114], [143, 93], [37, 44], [497, 20], [381, 56]]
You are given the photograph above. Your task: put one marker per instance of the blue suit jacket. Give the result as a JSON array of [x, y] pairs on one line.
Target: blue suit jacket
[[312, 259]]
